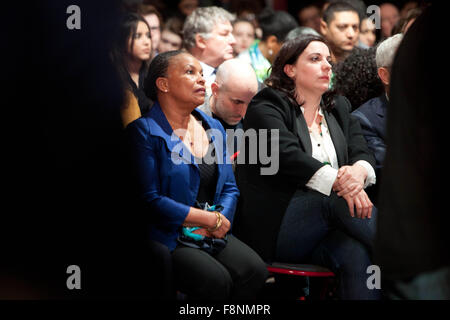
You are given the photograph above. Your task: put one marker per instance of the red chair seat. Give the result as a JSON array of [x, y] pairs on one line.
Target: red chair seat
[[305, 270]]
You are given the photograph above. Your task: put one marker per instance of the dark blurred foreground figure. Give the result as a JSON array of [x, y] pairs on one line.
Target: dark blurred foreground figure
[[413, 239], [68, 192]]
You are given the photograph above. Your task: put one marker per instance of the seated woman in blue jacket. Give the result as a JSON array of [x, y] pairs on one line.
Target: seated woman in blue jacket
[[189, 186]]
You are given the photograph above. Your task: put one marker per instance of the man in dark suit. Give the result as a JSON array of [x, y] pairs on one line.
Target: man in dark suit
[[372, 114]]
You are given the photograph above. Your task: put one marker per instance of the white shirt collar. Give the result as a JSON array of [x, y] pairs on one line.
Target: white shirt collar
[[207, 69], [320, 111]]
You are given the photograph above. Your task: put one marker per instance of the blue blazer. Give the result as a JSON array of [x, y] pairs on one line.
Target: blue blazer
[[372, 117], [169, 177]]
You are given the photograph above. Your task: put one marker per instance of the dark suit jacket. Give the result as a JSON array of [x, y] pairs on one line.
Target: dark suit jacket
[[372, 117], [264, 198]]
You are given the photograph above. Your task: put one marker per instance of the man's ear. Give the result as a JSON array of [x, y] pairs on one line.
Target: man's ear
[[323, 27], [162, 84], [384, 75], [214, 89], [289, 69], [200, 41]]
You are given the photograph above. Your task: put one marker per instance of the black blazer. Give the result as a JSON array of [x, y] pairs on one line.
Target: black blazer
[[264, 198]]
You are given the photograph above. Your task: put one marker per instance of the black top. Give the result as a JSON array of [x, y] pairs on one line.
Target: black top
[[208, 174], [144, 102]]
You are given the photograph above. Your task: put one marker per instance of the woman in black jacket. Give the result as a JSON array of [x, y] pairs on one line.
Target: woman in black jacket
[[314, 208]]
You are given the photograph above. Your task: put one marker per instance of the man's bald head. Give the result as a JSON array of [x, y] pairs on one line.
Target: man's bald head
[[235, 72], [233, 89]]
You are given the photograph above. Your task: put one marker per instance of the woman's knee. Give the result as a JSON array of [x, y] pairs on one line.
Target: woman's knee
[[200, 276], [247, 269]]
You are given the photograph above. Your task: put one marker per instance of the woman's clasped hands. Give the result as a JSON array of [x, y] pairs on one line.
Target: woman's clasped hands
[[349, 185], [220, 232]]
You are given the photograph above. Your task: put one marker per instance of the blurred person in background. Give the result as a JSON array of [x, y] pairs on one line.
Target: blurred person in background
[[275, 26], [154, 20], [309, 16], [367, 34], [389, 17], [244, 33], [171, 35]]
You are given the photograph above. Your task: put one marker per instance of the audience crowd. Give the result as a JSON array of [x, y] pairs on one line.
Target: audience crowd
[[209, 90]]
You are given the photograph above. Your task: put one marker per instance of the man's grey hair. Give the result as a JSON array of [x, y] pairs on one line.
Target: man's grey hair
[[301, 31], [386, 51], [202, 21]]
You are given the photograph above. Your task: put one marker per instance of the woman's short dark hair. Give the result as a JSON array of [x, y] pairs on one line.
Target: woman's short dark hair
[[276, 23], [335, 7], [288, 54], [158, 68]]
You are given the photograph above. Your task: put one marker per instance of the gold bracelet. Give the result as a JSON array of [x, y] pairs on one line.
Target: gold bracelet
[[218, 222]]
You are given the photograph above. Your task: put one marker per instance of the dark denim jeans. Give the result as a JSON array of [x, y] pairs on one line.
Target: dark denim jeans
[[318, 229]]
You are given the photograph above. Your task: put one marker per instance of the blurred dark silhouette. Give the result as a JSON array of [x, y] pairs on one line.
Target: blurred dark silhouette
[[413, 238], [68, 195]]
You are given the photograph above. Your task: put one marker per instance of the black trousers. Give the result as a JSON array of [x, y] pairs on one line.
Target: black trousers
[[237, 272]]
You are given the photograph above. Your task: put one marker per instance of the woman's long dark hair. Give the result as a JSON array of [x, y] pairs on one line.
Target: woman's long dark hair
[[126, 29], [288, 54]]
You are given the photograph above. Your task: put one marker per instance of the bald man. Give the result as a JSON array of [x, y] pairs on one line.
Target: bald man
[[231, 92]]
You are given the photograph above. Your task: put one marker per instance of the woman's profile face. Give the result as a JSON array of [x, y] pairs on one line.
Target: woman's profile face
[[142, 46], [185, 79], [312, 70]]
